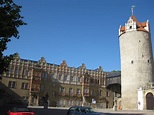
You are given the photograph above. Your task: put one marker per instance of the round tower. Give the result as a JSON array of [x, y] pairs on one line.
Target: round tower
[[136, 60]]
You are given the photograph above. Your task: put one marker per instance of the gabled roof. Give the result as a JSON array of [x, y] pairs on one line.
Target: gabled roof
[[135, 20], [140, 25]]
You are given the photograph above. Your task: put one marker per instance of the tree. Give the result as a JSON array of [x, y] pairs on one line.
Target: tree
[[10, 20], [45, 98]]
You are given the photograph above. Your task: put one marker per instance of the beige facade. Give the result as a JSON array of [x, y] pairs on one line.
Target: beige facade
[[66, 86]]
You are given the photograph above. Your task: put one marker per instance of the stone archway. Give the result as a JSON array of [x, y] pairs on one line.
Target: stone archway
[[149, 101]]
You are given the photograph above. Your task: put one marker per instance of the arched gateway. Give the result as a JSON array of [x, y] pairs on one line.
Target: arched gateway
[[149, 101]]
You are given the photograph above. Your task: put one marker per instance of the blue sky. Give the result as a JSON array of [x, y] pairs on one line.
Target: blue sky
[[78, 31]]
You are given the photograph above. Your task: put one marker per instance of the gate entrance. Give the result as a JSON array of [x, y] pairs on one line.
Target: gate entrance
[[149, 101]]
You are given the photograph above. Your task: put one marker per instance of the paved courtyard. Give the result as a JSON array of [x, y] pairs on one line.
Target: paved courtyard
[[62, 111]]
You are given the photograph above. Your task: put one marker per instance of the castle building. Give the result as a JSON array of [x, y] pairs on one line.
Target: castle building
[[136, 62], [65, 86]]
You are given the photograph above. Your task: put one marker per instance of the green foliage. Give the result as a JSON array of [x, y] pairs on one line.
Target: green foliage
[[10, 20]]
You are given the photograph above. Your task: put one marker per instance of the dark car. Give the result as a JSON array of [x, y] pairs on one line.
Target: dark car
[[20, 111], [82, 110]]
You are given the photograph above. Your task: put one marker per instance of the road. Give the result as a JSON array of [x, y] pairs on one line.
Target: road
[[63, 111], [42, 111]]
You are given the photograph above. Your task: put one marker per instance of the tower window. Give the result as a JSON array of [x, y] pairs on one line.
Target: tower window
[[130, 27], [139, 41], [148, 61], [132, 62], [142, 55]]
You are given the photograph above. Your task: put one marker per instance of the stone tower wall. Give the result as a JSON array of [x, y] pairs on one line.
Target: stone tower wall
[[136, 65]]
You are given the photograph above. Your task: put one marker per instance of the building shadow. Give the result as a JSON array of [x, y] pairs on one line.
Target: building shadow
[[8, 99], [124, 114], [42, 111]]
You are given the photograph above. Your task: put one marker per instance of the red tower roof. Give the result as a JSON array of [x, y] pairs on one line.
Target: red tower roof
[[139, 25]]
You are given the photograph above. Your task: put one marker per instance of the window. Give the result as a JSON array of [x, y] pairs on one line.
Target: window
[[62, 90], [24, 86], [71, 78], [35, 73], [60, 77], [52, 76], [79, 79], [25, 98], [107, 93], [86, 90], [42, 87], [9, 70], [130, 27], [142, 55], [91, 92], [148, 61], [17, 71], [12, 84], [77, 102], [86, 80], [32, 100], [65, 77], [70, 91], [27, 72], [78, 91], [100, 93], [96, 81], [91, 81], [68, 103], [46, 75]]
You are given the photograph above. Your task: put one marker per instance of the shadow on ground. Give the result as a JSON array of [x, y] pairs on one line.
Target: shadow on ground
[[41, 111], [124, 114]]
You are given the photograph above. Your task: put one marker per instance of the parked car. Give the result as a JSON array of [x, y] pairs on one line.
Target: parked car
[[20, 111], [82, 110]]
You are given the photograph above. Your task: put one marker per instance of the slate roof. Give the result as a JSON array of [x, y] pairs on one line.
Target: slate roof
[[114, 74]]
